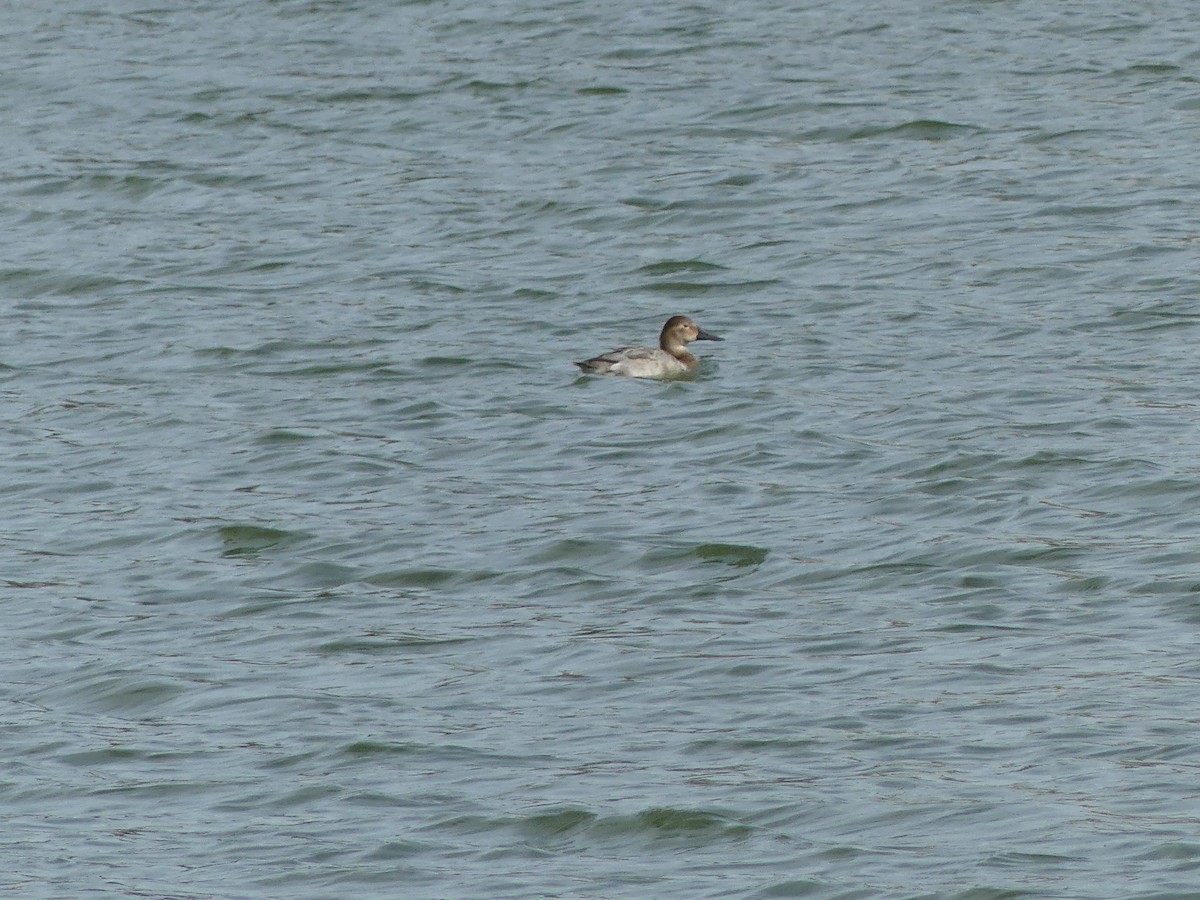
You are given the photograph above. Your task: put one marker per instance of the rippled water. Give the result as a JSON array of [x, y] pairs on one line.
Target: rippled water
[[324, 573]]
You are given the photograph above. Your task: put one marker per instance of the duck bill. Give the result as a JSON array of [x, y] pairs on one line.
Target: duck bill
[[702, 335]]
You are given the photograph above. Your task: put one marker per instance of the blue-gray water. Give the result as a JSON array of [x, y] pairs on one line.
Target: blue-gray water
[[323, 573]]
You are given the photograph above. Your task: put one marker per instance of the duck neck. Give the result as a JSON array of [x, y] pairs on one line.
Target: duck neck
[[679, 350]]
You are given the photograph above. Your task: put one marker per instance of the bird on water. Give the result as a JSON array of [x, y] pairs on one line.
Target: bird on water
[[670, 357]]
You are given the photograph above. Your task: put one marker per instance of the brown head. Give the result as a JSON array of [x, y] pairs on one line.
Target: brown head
[[681, 331]]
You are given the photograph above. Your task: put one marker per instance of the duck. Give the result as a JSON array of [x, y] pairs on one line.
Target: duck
[[669, 358]]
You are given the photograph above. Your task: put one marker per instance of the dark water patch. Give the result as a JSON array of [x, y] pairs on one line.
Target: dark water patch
[[649, 829], [725, 745], [367, 750], [673, 266], [1177, 850], [794, 887], [256, 266], [285, 436], [556, 823], [151, 792], [385, 372], [978, 627], [446, 362], [916, 130], [736, 556], [873, 202], [1039, 552], [644, 54], [1088, 584], [492, 88], [218, 352], [431, 577], [1052, 459], [1143, 252], [646, 204], [931, 130], [743, 180], [32, 585], [534, 294], [1153, 317], [859, 30], [1024, 861], [423, 411], [252, 540], [693, 826], [602, 91], [289, 761], [123, 756], [226, 178], [1187, 588], [1147, 69], [583, 552], [369, 95], [31, 283], [124, 694]]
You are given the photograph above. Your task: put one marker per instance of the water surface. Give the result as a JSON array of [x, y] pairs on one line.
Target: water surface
[[325, 574]]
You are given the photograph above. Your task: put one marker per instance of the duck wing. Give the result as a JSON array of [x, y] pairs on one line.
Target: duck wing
[[603, 364], [637, 362]]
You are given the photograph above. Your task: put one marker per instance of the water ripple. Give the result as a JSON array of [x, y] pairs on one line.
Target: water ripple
[[318, 547]]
